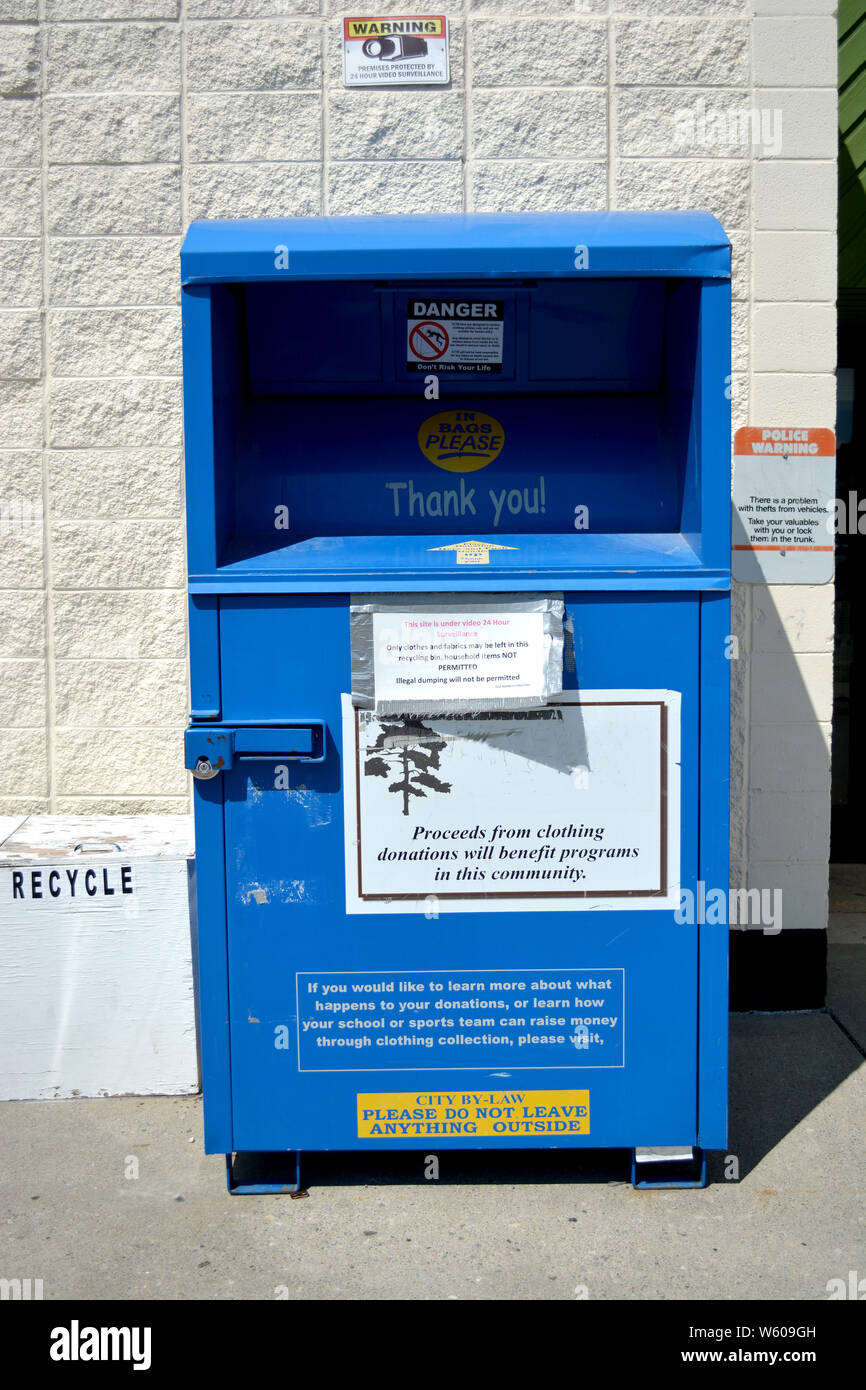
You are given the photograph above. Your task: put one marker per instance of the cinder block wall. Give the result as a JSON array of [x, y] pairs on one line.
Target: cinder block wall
[[124, 119]]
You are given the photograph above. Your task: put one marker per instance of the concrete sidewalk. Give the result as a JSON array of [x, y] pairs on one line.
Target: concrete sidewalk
[[500, 1227]]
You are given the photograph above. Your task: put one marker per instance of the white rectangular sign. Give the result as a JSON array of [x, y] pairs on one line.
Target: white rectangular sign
[[575, 805], [783, 515], [395, 50]]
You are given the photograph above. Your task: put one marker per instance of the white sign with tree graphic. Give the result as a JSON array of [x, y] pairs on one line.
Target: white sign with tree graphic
[[575, 805]]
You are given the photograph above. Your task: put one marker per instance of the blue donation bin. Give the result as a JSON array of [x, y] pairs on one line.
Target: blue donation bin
[[459, 540]]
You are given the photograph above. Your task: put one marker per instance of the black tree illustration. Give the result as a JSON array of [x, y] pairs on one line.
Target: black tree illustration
[[410, 750]]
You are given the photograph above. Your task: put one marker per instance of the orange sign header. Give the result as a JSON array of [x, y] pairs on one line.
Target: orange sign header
[[785, 439]]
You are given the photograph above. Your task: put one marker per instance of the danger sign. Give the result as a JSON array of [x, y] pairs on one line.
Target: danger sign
[[383, 50], [457, 335]]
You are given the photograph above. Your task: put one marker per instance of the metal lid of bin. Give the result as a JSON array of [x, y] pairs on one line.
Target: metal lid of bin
[[480, 245]]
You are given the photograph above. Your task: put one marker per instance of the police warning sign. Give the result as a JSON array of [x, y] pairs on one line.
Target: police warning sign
[[388, 50], [454, 335]]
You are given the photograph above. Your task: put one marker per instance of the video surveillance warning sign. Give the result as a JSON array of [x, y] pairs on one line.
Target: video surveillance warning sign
[[395, 50]]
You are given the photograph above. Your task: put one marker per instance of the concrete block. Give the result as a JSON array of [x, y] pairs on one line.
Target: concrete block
[[114, 342], [124, 805], [88, 413], [794, 195], [796, 51], [20, 133], [118, 270], [684, 122], [20, 202], [23, 763], [795, 266], [20, 61], [537, 186], [794, 7], [21, 272], [21, 414], [385, 125], [254, 190], [113, 129], [509, 124], [142, 555], [253, 57], [254, 9], [792, 617], [113, 57], [808, 120], [124, 200], [791, 688], [125, 483], [407, 186], [126, 623], [794, 398], [20, 344], [715, 185], [802, 888], [98, 693], [794, 338], [67, 10], [22, 623], [130, 762], [538, 53], [22, 694], [681, 52], [790, 758], [225, 128], [789, 826]]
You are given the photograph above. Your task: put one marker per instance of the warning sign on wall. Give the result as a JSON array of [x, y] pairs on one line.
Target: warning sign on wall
[[391, 50], [454, 335], [783, 516]]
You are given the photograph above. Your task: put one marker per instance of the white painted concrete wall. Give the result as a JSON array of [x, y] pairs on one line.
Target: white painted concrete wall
[[124, 119]]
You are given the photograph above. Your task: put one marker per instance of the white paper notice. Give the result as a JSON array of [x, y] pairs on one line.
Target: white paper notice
[[476, 657]]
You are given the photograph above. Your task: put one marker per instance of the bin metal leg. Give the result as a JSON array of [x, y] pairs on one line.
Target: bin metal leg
[[263, 1173], [680, 1166]]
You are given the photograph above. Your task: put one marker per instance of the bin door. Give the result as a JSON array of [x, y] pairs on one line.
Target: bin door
[[302, 969]]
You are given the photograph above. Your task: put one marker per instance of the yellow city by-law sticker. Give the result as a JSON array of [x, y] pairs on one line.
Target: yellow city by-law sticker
[[461, 441], [471, 1114]]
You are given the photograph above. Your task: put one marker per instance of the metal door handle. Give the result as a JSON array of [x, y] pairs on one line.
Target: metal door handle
[[211, 749]]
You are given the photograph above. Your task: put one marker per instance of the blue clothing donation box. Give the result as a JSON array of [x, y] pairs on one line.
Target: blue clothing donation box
[[459, 547]]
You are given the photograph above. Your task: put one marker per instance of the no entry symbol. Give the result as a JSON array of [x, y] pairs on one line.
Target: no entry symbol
[[429, 340]]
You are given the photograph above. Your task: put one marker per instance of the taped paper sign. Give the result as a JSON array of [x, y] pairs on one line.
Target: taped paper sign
[[568, 807], [388, 50], [456, 653], [783, 491]]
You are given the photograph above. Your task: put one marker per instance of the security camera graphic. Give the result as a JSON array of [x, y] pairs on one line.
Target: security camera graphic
[[386, 50]]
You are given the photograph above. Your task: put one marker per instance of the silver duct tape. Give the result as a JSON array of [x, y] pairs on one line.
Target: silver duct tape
[[364, 607]]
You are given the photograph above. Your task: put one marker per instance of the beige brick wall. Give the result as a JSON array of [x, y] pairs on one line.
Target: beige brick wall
[[125, 119]]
